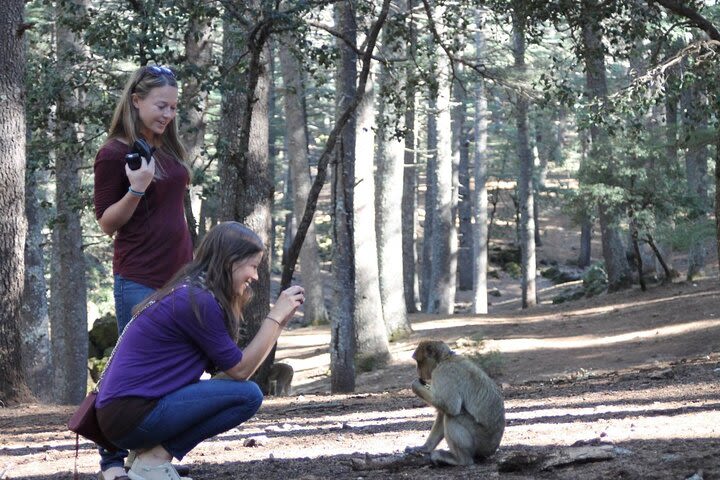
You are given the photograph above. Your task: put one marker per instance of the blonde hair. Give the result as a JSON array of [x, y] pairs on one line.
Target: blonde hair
[[126, 122]]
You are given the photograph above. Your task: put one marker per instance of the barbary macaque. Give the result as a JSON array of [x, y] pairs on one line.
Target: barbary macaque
[[470, 406], [280, 379]]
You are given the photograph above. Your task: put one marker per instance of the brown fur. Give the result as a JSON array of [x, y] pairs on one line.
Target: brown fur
[[280, 379], [278, 382], [470, 406]]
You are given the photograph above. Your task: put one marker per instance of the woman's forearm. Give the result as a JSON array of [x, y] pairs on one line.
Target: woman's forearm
[[118, 214], [257, 350]]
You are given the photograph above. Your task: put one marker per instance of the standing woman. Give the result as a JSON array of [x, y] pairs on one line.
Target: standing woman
[[142, 208]]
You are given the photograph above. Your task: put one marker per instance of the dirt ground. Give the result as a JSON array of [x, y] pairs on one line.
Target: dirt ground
[[633, 376]]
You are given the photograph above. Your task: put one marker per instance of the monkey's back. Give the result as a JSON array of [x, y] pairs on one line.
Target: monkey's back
[[467, 387]]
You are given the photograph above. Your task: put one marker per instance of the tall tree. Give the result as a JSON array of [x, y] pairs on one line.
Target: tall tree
[[464, 204], [389, 192], [696, 18], [343, 336], [444, 234], [480, 171], [527, 223], [68, 300], [296, 140], [194, 97], [370, 331], [13, 225], [430, 201], [35, 326], [410, 175], [342, 343], [616, 264], [246, 187], [694, 106]]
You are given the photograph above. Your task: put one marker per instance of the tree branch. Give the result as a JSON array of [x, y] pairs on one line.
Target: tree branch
[[319, 181], [692, 15]]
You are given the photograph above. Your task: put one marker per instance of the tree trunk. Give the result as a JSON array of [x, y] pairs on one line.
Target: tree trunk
[[37, 361], [13, 227], [671, 157], [372, 347], [410, 178], [585, 243], [68, 300], [586, 224], [539, 178], [430, 201], [297, 154], [444, 233], [694, 106], [525, 187], [343, 334], [616, 264], [389, 194], [342, 343], [480, 169], [246, 186], [257, 200], [194, 99], [464, 204]]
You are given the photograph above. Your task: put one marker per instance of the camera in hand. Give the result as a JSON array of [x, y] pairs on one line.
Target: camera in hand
[[141, 149]]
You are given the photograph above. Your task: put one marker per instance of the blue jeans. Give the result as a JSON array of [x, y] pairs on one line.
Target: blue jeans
[[184, 418], [127, 294]]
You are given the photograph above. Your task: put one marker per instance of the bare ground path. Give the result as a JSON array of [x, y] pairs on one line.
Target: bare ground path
[[636, 372]]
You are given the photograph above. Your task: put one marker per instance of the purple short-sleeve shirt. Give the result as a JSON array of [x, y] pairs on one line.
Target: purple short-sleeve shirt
[[167, 347]]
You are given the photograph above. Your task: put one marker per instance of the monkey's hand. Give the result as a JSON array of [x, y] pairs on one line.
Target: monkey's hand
[[421, 389], [420, 451]]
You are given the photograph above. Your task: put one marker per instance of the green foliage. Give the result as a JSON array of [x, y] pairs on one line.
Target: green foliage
[[685, 232], [473, 348], [513, 269], [595, 279], [96, 366]]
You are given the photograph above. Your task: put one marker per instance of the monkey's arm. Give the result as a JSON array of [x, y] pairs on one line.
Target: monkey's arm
[[437, 432], [423, 391]]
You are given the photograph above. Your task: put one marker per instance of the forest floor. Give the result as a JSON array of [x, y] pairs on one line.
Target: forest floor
[[630, 380]]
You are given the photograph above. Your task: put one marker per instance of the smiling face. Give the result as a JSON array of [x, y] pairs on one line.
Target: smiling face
[[245, 272], [156, 110]]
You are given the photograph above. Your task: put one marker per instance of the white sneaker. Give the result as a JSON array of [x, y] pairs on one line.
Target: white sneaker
[[140, 471], [132, 455]]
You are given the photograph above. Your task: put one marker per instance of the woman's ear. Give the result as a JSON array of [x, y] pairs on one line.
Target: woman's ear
[[134, 99]]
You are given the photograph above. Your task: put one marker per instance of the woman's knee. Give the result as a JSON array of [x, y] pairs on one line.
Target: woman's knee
[[254, 396]]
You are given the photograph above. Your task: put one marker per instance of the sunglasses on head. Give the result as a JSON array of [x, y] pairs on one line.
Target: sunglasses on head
[[155, 71], [158, 70]]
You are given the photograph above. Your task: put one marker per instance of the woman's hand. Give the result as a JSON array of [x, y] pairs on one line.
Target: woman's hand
[[288, 301], [261, 344], [141, 178]]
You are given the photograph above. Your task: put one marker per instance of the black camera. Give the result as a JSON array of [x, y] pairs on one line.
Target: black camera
[[141, 149]]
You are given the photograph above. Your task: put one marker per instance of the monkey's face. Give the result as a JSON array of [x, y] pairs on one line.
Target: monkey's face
[[427, 356]]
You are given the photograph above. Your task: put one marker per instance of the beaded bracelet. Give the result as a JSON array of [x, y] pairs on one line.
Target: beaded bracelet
[[135, 192]]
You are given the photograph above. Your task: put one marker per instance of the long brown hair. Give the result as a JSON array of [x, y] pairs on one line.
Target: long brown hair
[[126, 122], [212, 268]]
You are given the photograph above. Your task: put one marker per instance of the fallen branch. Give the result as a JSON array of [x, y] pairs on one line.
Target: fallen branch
[[391, 462]]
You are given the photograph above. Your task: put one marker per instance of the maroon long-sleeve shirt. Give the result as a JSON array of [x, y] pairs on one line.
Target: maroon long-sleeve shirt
[[155, 242]]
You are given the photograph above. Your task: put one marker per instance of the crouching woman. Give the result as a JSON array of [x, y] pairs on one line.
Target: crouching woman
[[151, 398]]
